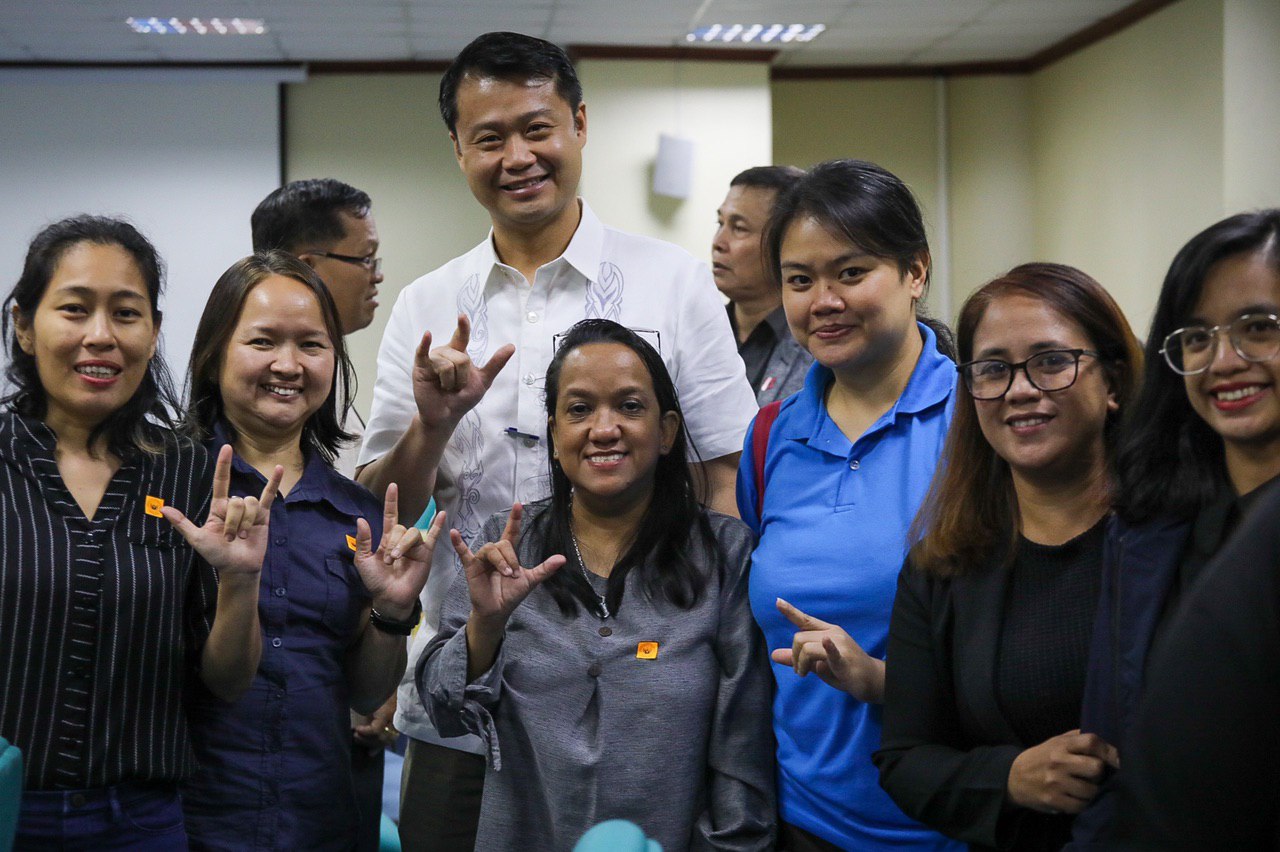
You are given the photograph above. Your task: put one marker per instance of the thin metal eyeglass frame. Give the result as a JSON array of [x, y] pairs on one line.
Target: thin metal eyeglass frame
[[1215, 331]]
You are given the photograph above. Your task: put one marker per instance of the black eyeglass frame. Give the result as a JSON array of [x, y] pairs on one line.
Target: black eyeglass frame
[[371, 263], [1213, 332], [1076, 355]]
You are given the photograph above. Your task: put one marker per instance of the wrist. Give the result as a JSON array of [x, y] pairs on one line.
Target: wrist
[[395, 626], [394, 610]]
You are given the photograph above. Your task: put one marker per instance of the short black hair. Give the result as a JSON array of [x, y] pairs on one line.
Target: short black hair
[[508, 56], [776, 178], [304, 214]]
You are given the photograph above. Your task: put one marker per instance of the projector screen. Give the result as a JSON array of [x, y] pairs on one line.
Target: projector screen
[[184, 154]]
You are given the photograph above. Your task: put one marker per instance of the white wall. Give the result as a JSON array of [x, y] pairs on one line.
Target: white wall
[[185, 157], [1251, 105]]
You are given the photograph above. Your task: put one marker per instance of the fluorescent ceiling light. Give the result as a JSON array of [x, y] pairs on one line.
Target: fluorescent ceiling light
[[754, 33], [197, 26]]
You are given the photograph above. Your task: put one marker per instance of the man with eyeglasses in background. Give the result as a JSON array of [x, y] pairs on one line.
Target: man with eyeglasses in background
[[329, 226]]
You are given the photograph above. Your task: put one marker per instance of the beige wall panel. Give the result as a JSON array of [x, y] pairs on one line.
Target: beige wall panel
[[1128, 150], [1251, 120]]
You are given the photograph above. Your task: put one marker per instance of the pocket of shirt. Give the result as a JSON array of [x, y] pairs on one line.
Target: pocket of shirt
[[343, 598]]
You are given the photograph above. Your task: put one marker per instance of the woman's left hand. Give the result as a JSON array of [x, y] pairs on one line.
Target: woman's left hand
[[395, 573], [830, 653]]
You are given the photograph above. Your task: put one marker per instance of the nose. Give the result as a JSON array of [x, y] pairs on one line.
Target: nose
[[825, 299], [1226, 359], [1021, 387], [286, 361], [100, 333], [604, 427], [718, 243], [517, 154]]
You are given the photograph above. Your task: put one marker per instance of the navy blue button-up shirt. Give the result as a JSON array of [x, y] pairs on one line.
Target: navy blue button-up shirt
[[275, 766]]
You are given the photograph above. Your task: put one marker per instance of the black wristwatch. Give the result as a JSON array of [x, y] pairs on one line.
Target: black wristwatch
[[397, 628]]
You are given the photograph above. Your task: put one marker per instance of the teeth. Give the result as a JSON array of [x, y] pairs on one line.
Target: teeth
[[97, 372], [282, 391], [1239, 393], [1028, 421], [612, 457], [523, 183]]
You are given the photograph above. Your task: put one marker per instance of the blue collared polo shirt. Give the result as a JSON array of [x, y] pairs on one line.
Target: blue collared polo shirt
[[275, 766], [832, 538]]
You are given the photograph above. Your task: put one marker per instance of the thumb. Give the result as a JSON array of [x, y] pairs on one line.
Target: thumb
[[783, 657], [541, 572], [834, 658], [179, 521], [364, 538], [494, 365]]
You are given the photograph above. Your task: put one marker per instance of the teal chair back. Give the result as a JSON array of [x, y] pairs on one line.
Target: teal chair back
[[616, 835], [10, 792]]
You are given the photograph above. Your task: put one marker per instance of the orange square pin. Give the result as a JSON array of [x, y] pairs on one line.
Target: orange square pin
[[351, 542], [647, 651], [152, 506]]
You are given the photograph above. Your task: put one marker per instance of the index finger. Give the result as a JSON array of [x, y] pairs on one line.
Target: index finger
[[799, 618], [222, 474], [390, 509], [462, 334], [512, 528], [269, 491]]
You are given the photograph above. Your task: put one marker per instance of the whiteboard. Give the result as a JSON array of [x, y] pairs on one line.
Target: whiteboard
[[185, 155]]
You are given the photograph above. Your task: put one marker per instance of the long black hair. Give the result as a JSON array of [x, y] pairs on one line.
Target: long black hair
[[323, 432], [1170, 461], [867, 205], [144, 423], [660, 551]]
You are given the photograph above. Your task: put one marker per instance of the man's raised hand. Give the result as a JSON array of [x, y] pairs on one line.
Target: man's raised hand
[[446, 384]]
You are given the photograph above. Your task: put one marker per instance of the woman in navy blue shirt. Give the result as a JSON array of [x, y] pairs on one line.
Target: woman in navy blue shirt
[[335, 602], [848, 461]]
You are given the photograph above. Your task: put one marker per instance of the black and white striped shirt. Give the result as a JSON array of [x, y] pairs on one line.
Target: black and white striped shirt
[[101, 620]]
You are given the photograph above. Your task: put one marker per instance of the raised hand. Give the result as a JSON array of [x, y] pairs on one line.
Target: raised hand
[[830, 653], [496, 580], [395, 573], [446, 384], [234, 536], [1062, 774]]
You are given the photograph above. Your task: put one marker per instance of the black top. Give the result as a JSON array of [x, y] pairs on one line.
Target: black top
[[100, 620], [1201, 768], [1044, 640], [758, 348]]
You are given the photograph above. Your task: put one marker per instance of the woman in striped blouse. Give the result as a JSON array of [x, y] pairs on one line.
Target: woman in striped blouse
[[108, 593]]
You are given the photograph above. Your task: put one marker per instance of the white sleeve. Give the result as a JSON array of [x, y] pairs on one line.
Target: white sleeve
[[714, 392], [393, 406]]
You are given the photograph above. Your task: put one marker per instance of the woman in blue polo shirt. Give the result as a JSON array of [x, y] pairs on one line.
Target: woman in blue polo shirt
[[336, 600], [845, 467]]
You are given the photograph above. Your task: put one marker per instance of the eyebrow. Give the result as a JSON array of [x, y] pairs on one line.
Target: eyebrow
[[1036, 348], [89, 292], [1251, 309], [523, 118], [844, 258]]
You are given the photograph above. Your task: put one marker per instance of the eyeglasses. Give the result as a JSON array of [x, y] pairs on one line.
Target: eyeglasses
[[369, 262], [1049, 371], [1254, 337]]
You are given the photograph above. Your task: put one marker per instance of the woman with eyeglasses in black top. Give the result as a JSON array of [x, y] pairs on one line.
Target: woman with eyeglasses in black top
[[990, 629], [1201, 448]]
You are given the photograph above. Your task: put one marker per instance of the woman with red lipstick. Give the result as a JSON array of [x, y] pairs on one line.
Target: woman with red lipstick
[[340, 583], [1202, 446], [112, 603], [626, 681], [991, 624], [841, 475]]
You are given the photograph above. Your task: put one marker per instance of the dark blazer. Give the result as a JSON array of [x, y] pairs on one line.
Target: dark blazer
[[946, 747], [1139, 572]]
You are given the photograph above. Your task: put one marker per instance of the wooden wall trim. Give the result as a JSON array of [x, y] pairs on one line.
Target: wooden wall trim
[[681, 54]]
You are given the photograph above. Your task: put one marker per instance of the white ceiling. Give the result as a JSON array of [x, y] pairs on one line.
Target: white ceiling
[[859, 32]]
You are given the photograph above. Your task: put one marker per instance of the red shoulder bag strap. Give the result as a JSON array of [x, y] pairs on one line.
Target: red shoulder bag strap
[[760, 445]]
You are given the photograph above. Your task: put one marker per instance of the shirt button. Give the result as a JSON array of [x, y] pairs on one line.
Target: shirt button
[[530, 442], [77, 800], [529, 378], [281, 539], [532, 316], [280, 591], [279, 693], [276, 642], [853, 465], [594, 670], [605, 631]]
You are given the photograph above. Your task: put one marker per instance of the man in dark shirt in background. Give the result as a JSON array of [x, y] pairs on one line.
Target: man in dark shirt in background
[[776, 364], [329, 226]]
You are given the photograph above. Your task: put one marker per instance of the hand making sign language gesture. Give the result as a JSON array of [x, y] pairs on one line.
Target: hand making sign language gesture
[[829, 651], [446, 384], [395, 573], [234, 536], [497, 583]]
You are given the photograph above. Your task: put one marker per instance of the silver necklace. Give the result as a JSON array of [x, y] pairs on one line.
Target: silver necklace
[[582, 565]]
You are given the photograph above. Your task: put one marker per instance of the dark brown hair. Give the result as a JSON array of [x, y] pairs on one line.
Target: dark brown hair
[[323, 432], [971, 510]]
